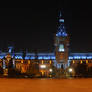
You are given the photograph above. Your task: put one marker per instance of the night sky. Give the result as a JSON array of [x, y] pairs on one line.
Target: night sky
[[34, 28]]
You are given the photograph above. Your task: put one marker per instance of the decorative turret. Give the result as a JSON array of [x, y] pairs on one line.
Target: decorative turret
[[61, 43], [10, 49]]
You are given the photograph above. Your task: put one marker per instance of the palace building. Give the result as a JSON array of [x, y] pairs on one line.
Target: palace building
[[44, 64]]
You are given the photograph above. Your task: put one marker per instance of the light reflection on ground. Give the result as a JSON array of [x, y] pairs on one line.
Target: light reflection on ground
[[45, 85]]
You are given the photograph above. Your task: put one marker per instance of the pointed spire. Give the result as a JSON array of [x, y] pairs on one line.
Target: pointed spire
[[61, 19], [61, 28], [60, 14]]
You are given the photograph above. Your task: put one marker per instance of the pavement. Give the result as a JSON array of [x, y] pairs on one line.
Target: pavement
[[46, 85]]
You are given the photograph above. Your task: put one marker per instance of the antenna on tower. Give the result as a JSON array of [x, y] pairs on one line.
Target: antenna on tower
[[61, 19], [60, 14]]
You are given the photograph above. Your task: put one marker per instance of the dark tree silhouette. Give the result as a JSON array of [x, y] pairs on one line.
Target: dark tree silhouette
[[81, 70]]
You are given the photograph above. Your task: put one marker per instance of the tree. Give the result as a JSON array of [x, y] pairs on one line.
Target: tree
[[90, 72], [81, 70], [1, 70]]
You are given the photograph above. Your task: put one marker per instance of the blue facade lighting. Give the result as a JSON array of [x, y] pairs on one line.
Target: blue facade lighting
[[27, 57], [32, 57], [83, 57], [77, 57], [46, 57], [40, 57], [70, 57], [80, 57], [1, 57], [18, 57], [53, 57], [89, 57]]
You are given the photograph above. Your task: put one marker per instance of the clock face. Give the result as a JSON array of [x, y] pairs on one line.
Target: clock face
[[61, 48]]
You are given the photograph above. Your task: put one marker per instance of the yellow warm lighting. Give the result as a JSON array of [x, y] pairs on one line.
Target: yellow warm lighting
[[50, 76], [70, 69], [50, 61], [73, 61], [42, 61], [50, 70], [43, 66], [21, 61], [81, 61], [86, 61], [42, 73], [28, 61]]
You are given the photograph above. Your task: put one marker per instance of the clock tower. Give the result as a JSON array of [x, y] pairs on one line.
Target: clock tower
[[61, 44]]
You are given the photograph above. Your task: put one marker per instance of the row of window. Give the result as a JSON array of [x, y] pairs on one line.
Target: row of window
[[40, 62], [32, 57], [80, 57], [86, 61]]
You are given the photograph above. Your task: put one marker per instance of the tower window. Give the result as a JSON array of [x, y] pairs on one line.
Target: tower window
[[61, 48]]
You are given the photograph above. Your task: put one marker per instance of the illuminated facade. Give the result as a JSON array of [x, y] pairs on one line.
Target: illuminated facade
[[43, 64], [61, 44]]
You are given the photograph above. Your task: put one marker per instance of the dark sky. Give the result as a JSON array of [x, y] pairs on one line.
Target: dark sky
[[34, 27]]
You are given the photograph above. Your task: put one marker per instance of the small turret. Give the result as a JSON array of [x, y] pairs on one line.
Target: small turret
[[10, 49]]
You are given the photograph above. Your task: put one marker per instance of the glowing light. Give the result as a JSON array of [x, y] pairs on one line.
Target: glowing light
[[40, 57], [61, 48], [32, 57], [43, 66], [70, 57], [50, 70], [77, 57], [61, 31], [18, 57], [61, 20], [83, 57], [70, 69], [10, 49], [89, 57], [46, 57], [26, 57], [42, 61], [81, 61], [22, 61], [86, 61], [50, 62], [42, 73], [73, 61], [28, 61], [1, 57], [53, 57]]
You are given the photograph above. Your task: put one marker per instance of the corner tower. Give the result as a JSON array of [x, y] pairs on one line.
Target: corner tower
[[61, 44]]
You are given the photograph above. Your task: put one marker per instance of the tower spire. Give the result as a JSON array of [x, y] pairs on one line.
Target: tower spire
[[61, 19], [61, 32], [60, 14]]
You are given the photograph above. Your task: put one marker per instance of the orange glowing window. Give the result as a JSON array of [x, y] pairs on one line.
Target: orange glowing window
[[28, 61], [81, 61], [50, 61], [73, 61], [86, 61], [42, 61], [21, 61]]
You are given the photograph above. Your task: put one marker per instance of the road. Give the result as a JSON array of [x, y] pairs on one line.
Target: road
[[45, 85]]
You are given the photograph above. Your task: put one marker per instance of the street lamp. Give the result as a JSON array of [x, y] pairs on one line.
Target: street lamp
[[70, 70], [50, 70]]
